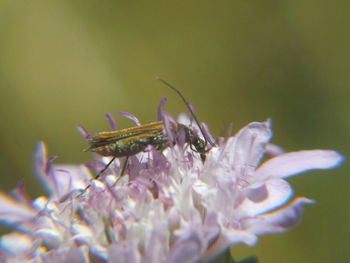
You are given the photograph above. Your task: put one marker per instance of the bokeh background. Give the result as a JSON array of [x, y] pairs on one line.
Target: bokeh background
[[64, 63]]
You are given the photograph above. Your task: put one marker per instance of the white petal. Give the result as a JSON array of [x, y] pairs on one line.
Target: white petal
[[51, 237], [82, 233], [297, 162], [16, 243], [184, 119]]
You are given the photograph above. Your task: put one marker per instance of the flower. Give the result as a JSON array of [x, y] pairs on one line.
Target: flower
[[168, 206]]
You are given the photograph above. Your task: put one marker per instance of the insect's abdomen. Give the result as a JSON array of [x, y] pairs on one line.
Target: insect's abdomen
[[130, 146]]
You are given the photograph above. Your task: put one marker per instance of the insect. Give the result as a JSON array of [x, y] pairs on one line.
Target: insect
[[130, 141]]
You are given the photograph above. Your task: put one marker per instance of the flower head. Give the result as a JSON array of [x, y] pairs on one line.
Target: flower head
[[168, 206]]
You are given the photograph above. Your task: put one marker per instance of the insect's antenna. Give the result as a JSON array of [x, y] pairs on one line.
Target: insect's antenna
[[187, 104]]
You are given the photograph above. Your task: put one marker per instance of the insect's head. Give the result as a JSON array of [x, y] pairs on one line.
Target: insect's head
[[196, 143], [200, 147]]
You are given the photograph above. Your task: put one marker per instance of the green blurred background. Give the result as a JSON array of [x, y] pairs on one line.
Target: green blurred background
[[64, 63]]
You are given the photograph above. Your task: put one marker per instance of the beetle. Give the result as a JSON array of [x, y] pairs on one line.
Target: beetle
[[130, 141]]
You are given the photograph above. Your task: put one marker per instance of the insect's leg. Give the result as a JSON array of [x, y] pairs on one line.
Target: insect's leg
[[123, 169], [98, 175], [203, 157], [201, 154], [124, 166], [105, 168]]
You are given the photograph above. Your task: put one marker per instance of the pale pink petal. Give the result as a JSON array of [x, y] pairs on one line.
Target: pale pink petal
[[273, 150], [123, 252], [297, 162], [279, 220], [232, 236], [70, 177], [84, 132], [112, 121], [160, 109], [207, 134], [77, 255], [278, 193], [41, 165], [13, 212], [130, 116], [187, 250], [250, 144]]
